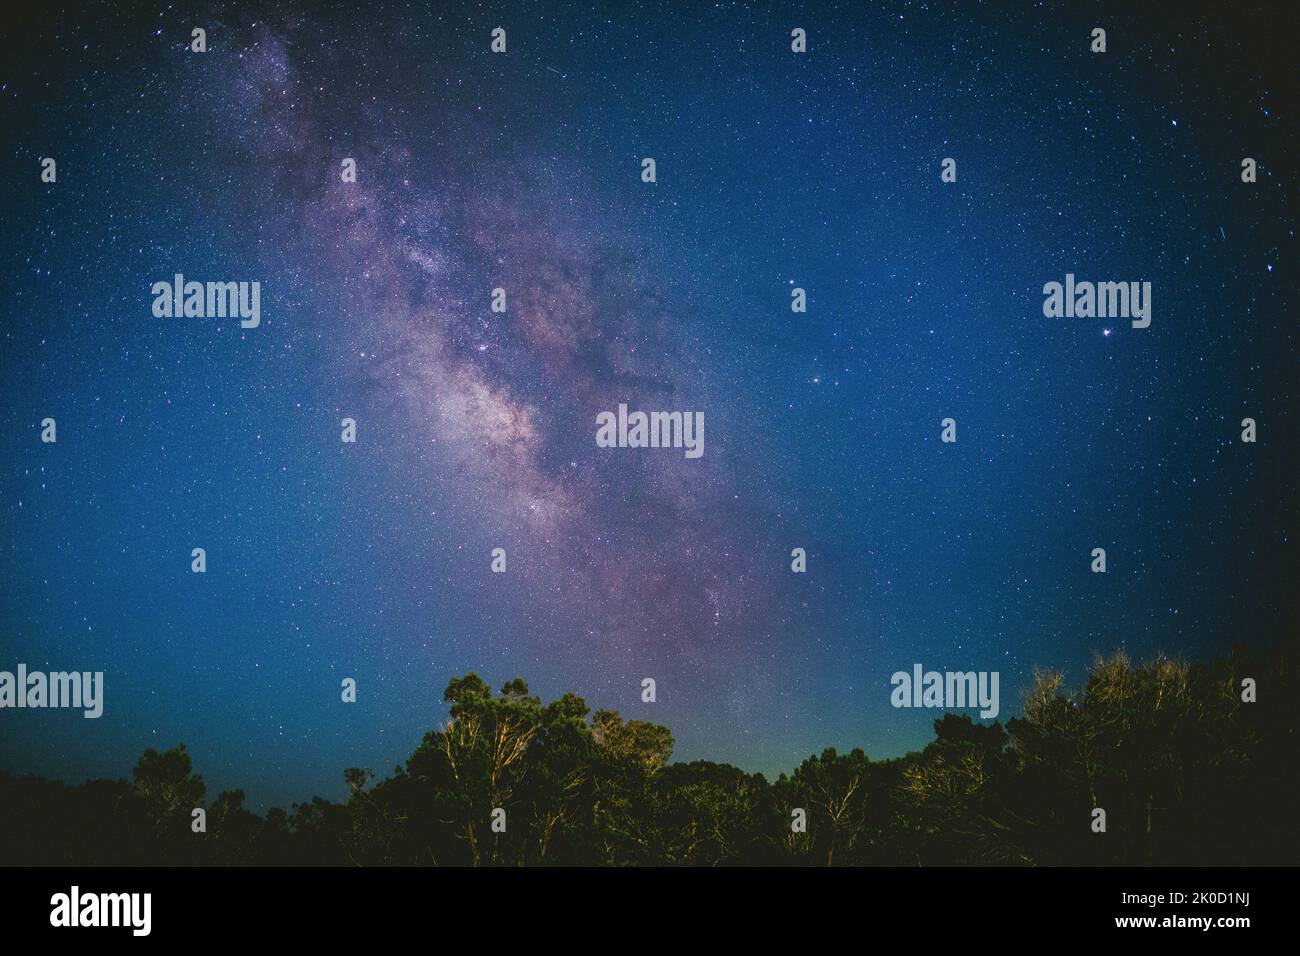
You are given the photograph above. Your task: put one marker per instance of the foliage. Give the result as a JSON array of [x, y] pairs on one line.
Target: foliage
[[1188, 775]]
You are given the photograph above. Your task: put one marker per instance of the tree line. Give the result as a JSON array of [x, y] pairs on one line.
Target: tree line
[[1185, 770]]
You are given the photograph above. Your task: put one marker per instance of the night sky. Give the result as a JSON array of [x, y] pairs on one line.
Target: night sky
[[475, 429]]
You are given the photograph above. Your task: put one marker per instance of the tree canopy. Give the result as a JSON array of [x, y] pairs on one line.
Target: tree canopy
[[1185, 770]]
